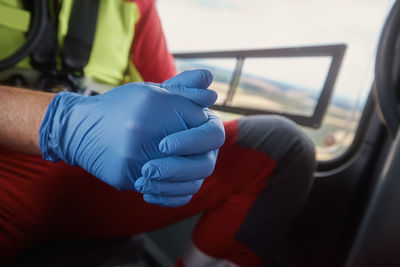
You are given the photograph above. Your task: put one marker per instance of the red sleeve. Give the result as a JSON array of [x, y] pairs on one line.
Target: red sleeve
[[150, 54]]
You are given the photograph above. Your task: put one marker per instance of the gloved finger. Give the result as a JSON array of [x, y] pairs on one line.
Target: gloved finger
[[189, 114], [192, 78], [206, 137], [193, 86], [167, 188], [181, 168], [167, 201], [201, 97]]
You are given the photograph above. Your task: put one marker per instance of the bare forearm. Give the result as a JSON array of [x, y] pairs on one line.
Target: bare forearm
[[21, 113]]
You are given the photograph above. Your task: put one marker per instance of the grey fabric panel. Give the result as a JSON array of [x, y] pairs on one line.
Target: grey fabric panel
[[280, 201], [274, 135]]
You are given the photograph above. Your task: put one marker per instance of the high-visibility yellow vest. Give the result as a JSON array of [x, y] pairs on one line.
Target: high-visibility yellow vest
[[110, 59]]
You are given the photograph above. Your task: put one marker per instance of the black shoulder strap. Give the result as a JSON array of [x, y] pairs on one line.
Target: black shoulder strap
[[79, 40]]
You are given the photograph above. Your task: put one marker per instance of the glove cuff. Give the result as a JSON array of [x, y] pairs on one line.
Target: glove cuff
[[51, 129]]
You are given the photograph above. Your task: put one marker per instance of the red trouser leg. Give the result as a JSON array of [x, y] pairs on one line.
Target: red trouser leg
[[41, 200]]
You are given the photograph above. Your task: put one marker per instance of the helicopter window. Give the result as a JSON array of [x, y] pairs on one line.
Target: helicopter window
[[289, 87], [288, 84]]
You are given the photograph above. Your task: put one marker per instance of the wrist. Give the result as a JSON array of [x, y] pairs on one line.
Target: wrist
[[54, 124]]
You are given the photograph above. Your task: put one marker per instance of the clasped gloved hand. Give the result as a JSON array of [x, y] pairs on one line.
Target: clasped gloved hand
[[113, 135], [192, 153]]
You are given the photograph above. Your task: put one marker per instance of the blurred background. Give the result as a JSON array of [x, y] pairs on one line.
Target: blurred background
[[290, 85]]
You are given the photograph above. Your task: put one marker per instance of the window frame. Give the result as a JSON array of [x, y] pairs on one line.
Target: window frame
[[335, 51]]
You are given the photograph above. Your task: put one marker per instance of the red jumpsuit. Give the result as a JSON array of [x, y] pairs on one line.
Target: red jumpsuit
[[262, 177]]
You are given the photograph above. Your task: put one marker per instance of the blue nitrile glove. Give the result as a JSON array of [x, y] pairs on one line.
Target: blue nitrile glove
[[114, 134], [192, 153]]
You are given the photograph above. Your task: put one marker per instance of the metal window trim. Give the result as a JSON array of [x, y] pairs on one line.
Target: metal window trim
[[335, 51]]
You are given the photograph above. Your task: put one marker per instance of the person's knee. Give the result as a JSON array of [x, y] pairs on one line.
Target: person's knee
[[277, 136], [290, 133], [284, 142]]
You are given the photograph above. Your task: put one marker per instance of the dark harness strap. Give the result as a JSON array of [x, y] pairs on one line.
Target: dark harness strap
[[79, 40]]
